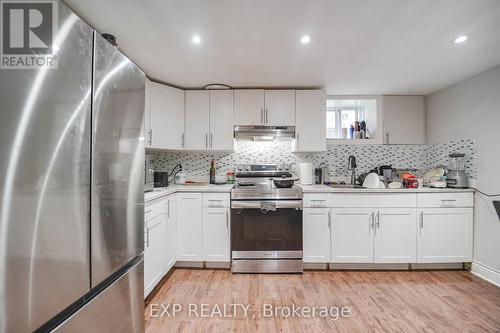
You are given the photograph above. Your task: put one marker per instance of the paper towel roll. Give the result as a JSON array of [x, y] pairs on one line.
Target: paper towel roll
[[306, 173]]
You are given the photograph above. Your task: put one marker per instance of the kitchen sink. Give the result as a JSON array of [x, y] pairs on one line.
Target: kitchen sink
[[350, 186]]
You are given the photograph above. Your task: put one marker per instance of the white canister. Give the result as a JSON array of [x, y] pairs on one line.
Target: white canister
[[306, 173]]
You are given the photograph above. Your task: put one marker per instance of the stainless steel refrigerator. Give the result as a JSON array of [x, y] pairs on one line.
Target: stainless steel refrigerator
[[71, 189]]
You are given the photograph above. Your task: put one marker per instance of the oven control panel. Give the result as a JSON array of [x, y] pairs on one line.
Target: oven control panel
[[263, 168]]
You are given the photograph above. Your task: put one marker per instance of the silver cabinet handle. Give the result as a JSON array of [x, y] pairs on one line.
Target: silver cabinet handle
[[227, 220], [378, 220], [298, 142], [148, 211], [329, 219], [211, 141], [372, 222], [150, 136], [421, 222], [182, 140], [206, 140], [211, 205], [262, 120], [266, 119], [147, 237], [168, 207], [387, 137]]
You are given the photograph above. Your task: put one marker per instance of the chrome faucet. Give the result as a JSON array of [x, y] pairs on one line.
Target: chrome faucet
[[352, 166]]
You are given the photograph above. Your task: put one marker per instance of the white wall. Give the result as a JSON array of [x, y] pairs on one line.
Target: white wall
[[471, 110]]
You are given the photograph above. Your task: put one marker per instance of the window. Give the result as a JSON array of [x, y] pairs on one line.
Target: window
[[341, 114]]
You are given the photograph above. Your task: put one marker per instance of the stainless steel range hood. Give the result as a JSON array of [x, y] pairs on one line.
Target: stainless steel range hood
[[264, 133]]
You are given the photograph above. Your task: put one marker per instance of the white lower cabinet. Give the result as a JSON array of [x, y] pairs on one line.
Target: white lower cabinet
[[352, 235], [366, 235], [316, 235], [189, 226], [445, 235], [171, 233], [154, 238], [395, 235], [216, 234]]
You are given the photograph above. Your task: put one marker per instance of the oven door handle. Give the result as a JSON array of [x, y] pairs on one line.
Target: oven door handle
[[277, 203]]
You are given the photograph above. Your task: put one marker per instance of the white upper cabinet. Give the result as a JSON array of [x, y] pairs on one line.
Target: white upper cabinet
[[279, 108], [197, 120], [310, 116], [249, 107], [221, 120], [165, 117], [403, 119]]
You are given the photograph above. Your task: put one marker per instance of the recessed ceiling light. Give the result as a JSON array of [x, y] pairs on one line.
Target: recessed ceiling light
[[460, 39], [196, 39], [306, 39]]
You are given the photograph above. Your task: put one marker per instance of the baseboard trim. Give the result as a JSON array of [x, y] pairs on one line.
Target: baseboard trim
[[374, 267], [486, 273]]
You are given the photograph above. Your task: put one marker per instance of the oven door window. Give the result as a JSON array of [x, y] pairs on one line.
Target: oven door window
[[254, 230]]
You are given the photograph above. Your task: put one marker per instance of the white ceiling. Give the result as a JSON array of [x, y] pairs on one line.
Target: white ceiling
[[357, 47]]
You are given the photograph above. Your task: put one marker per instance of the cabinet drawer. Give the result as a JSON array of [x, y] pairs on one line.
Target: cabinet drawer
[[153, 210], [317, 200], [370, 200], [216, 200], [447, 200]]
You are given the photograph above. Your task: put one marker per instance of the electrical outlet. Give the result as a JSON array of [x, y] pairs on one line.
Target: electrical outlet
[[496, 204]]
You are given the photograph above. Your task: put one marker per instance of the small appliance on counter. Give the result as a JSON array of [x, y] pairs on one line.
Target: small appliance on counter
[[456, 176], [160, 179], [305, 173]]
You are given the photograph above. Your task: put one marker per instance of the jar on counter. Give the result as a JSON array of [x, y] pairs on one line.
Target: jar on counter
[[230, 177]]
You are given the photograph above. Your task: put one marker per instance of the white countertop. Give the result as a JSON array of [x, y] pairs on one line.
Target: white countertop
[[328, 189], [159, 192]]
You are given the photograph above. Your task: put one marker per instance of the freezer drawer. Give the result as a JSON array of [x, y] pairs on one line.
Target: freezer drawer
[[117, 224], [119, 308]]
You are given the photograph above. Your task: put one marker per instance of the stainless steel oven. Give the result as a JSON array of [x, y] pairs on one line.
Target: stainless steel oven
[[266, 228]]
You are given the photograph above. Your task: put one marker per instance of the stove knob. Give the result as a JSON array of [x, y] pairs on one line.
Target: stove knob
[[280, 167], [240, 168], [287, 167], [247, 168]]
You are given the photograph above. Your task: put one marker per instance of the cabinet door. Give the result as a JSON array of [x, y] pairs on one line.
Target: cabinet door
[[189, 228], [403, 119], [317, 223], [167, 116], [310, 126], [171, 233], [197, 119], [396, 235], [279, 108], [445, 235], [352, 235], [153, 252], [216, 234], [221, 120], [249, 107]]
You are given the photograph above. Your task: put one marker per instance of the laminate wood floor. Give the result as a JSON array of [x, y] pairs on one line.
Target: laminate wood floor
[[388, 301]]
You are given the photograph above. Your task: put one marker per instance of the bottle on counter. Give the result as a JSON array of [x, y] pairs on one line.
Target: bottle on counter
[[212, 172]]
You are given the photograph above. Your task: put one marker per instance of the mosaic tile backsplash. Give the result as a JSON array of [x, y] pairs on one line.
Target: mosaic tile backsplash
[[418, 157]]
